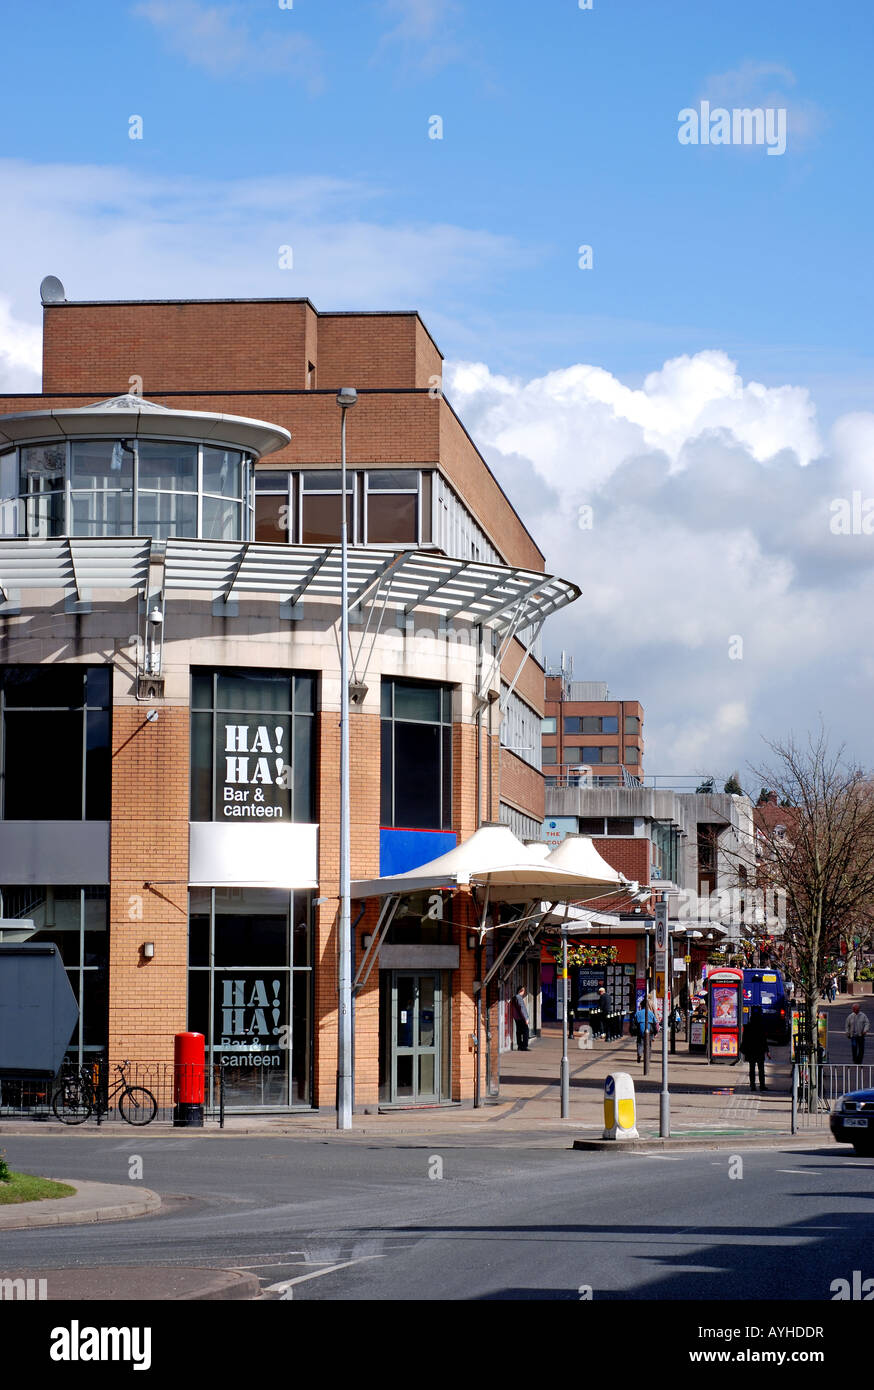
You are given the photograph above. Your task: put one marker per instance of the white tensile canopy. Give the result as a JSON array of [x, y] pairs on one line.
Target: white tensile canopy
[[494, 858]]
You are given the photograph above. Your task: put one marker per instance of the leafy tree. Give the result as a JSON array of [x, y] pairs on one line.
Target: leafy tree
[[733, 786]]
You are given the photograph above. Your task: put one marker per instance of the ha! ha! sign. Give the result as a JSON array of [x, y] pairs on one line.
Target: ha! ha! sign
[[257, 777]]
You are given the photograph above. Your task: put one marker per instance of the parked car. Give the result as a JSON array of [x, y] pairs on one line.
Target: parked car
[[852, 1120]]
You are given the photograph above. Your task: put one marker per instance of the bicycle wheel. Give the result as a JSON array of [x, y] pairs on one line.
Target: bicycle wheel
[[72, 1103], [137, 1105]]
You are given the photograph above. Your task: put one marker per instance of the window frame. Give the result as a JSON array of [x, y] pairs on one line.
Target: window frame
[[83, 709], [444, 724]]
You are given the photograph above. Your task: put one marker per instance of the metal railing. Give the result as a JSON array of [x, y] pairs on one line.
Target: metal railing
[[28, 1099], [565, 776], [811, 1103]]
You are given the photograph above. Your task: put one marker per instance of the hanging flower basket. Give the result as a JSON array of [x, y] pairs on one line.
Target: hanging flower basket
[[585, 954]]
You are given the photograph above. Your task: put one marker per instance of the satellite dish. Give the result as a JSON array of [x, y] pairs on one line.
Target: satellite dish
[[51, 291]]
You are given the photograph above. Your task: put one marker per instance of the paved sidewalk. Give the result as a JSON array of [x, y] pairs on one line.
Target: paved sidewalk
[[707, 1101]]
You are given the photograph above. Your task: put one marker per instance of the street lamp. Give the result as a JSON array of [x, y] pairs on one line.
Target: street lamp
[[346, 397]]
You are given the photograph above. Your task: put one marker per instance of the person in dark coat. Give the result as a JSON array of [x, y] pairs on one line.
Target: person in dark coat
[[605, 1003], [754, 1046]]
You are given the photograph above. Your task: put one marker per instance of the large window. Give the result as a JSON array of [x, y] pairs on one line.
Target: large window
[[591, 724], [250, 991], [76, 921], [54, 742], [416, 755], [141, 487], [384, 506], [252, 746]]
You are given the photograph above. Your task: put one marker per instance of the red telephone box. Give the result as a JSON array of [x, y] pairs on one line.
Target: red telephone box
[[725, 1014]]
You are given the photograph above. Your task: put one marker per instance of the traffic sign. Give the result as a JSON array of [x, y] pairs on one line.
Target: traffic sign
[[660, 960]]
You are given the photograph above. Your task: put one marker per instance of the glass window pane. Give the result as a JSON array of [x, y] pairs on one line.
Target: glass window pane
[[102, 513], [632, 724], [591, 755], [418, 776], [95, 1009], [104, 464], [253, 691], [168, 465], [572, 724], [166, 514], [271, 517], [43, 772], [609, 724], [417, 702], [393, 480], [201, 690], [252, 928], [271, 480], [43, 467], [301, 933], [590, 724], [392, 518], [609, 753], [549, 756], [304, 783], [201, 767], [251, 755], [321, 519], [426, 1071], [304, 694], [300, 1038], [327, 480], [573, 754], [98, 770], [44, 686], [426, 509], [547, 726], [386, 807], [98, 687], [222, 520], [632, 755], [385, 699], [45, 515], [222, 471]]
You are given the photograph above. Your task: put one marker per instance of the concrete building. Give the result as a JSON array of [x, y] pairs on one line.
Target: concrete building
[[170, 684]]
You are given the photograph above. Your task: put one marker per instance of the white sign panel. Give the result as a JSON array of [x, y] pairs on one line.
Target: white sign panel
[[266, 855]]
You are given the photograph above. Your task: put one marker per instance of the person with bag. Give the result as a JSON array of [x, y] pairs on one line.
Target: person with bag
[[644, 1020]]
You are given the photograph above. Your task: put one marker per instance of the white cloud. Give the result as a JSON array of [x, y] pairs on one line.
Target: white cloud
[[711, 498], [753, 84], [221, 40], [426, 32], [109, 233], [20, 352]]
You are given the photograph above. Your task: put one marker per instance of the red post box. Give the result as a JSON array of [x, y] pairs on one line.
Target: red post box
[[189, 1073]]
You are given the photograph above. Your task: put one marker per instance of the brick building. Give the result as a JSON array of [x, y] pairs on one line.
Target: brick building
[[589, 737], [170, 684]]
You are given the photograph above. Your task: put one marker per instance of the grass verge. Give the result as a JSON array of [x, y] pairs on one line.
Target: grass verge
[[24, 1187]]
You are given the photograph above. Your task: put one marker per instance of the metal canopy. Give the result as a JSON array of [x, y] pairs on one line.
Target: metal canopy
[[74, 565], [412, 579], [407, 580]]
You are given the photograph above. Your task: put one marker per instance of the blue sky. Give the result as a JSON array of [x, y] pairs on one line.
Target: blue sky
[[266, 126]]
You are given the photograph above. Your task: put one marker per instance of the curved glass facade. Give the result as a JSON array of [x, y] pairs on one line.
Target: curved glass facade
[[131, 487]]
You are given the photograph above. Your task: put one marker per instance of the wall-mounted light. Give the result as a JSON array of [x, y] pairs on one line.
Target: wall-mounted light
[[472, 940], [148, 950], [366, 939], [152, 715]]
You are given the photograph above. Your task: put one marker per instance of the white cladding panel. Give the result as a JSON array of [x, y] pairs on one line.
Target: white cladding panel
[[269, 856]]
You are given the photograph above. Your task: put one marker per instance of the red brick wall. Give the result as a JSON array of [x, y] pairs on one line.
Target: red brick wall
[[149, 844], [522, 786]]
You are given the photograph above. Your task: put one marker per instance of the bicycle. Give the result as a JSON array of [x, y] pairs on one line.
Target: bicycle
[[78, 1096]]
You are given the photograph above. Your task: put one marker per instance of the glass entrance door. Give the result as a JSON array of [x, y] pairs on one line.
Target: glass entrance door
[[415, 1033]]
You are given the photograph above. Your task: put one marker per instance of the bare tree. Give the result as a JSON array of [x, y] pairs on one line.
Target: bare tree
[[821, 856]]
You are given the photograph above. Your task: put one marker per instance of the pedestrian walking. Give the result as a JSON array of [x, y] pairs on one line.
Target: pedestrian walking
[[754, 1047], [521, 1017], [833, 988], [644, 1020], [856, 1028]]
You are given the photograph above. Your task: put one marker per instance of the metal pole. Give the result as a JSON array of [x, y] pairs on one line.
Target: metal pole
[[479, 1027], [794, 1125], [344, 1019], [664, 1094], [565, 1065]]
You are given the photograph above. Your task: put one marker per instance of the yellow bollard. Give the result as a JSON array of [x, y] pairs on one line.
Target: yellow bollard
[[620, 1117]]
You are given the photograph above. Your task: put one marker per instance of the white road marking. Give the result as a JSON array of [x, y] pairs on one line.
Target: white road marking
[[302, 1278], [804, 1172]]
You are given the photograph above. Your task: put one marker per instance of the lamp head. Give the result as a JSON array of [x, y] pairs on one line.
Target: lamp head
[[346, 396]]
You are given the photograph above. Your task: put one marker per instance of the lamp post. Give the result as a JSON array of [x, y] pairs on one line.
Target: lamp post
[[346, 397]]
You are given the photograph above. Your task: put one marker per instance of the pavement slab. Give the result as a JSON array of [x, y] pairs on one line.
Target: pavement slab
[[92, 1201]]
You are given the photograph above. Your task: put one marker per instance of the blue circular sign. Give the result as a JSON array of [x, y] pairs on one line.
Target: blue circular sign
[[609, 1086]]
